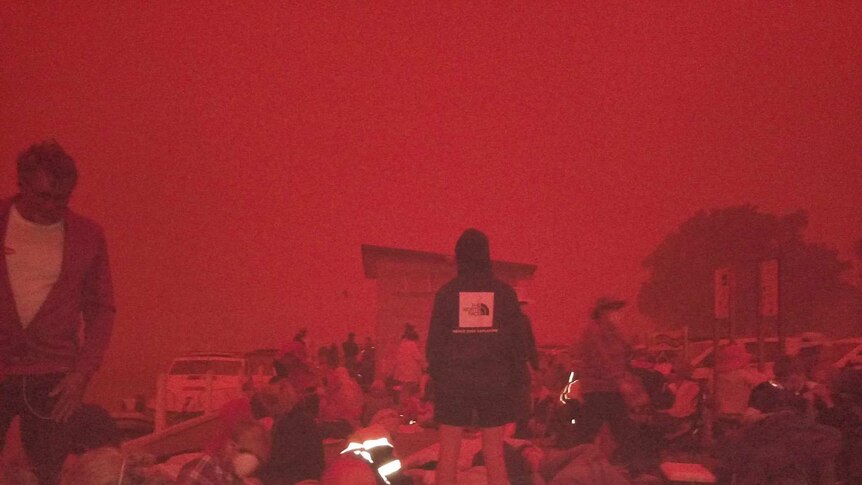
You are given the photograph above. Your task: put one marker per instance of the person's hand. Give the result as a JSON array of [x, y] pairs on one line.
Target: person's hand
[[69, 393]]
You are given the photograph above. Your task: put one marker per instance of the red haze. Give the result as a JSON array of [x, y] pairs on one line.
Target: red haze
[[239, 156]]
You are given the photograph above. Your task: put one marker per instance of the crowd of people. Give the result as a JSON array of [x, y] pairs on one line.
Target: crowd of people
[[504, 412], [800, 424]]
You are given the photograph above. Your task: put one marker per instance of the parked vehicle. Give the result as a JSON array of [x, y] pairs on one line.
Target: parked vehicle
[[201, 382]]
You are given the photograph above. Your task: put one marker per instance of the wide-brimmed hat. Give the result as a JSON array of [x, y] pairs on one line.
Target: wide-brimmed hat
[[732, 357], [605, 304]]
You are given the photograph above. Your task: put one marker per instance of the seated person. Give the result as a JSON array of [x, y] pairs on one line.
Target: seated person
[[680, 416], [780, 442], [785, 392], [240, 453], [736, 380], [369, 457], [301, 375], [376, 399], [653, 381], [341, 402], [542, 404], [297, 441], [108, 465], [846, 416], [413, 408]]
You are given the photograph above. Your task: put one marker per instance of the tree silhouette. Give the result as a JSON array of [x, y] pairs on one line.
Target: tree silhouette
[[813, 294]]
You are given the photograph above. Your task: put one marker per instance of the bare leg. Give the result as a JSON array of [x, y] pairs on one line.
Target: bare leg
[[450, 449], [492, 449]]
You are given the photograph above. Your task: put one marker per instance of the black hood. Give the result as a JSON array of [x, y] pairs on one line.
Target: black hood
[[472, 252]]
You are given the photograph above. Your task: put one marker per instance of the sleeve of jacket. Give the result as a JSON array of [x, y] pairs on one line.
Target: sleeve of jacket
[[437, 336], [97, 308], [524, 342], [530, 340]]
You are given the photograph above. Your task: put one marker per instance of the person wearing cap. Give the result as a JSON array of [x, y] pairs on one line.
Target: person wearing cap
[[477, 351], [603, 354]]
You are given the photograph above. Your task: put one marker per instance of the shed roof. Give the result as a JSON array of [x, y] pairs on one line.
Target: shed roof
[[373, 255]]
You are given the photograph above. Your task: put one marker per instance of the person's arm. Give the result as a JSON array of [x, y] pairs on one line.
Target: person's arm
[[523, 340], [437, 333], [754, 378], [532, 350], [97, 310]]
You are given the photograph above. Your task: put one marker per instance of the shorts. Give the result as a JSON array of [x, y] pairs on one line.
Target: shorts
[[479, 410]]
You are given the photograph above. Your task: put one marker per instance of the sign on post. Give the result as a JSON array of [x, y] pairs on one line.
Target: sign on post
[[769, 288], [722, 293]]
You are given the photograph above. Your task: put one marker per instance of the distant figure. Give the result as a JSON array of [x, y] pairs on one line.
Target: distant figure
[[334, 353], [478, 348], [409, 363], [367, 361], [56, 283], [351, 353], [300, 335], [300, 339]]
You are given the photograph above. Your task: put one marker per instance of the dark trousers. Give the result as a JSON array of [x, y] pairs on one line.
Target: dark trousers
[[607, 407], [46, 442]]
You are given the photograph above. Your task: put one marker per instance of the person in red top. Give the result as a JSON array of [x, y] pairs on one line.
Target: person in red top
[[54, 278]]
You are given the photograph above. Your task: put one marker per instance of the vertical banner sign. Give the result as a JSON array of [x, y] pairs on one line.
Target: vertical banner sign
[[722, 293], [769, 288]]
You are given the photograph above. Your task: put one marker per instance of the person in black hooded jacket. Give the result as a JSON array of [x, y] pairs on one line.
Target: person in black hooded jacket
[[479, 343]]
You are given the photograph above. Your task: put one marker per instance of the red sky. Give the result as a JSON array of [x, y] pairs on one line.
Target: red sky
[[238, 156]]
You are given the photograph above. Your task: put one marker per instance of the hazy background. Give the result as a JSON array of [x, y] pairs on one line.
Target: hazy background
[[238, 156]]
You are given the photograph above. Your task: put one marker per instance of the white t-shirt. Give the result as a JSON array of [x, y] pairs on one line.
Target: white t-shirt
[[408, 362], [34, 256]]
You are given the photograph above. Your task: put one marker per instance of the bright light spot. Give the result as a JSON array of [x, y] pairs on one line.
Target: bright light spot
[[388, 469]]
